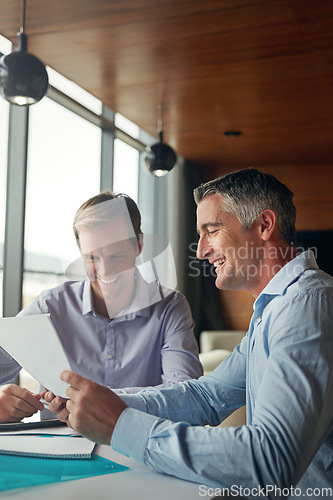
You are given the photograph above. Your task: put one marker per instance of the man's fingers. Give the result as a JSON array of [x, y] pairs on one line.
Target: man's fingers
[[57, 404], [48, 396], [92, 409], [19, 408], [42, 394], [74, 379], [17, 403], [25, 400], [63, 415]]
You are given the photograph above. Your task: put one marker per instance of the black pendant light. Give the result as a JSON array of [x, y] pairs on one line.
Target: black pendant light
[[159, 158], [23, 77]]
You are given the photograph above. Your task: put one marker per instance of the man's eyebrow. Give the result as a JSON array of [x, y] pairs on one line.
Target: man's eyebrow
[[92, 253], [209, 224], [88, 254]]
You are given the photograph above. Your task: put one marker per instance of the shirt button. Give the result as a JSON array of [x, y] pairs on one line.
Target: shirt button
[[110, 356], [258, 320]]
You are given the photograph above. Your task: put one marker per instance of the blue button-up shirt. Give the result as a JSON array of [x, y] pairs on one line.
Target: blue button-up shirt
[[150, 343], [283, 370]]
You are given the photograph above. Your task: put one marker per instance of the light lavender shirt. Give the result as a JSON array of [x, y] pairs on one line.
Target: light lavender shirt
[[149, 346]]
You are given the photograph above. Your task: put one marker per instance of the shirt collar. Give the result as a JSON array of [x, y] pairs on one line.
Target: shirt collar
[[87, 300], [290, 273]]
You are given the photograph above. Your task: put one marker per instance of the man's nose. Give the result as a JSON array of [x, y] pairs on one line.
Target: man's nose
[[203, 249], [105, 268]]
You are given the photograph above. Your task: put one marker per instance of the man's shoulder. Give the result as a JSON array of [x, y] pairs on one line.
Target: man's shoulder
[[310, 292], [309, 286], [57, 298], [66, 289], [313, 282], [162, 296], [170, 294], [304, 312]]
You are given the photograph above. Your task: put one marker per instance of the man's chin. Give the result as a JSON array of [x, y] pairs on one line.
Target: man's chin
[[223, 282], [219, 284], [220, 280]]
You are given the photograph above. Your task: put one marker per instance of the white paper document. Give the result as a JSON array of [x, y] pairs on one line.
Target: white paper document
[[34, 343]]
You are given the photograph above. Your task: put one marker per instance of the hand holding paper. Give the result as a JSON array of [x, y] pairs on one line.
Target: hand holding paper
[[17, 403], [33, 342], [91, 410], [58, 404]]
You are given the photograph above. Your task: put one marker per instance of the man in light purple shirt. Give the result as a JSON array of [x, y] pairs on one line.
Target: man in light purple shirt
[[116, 328]]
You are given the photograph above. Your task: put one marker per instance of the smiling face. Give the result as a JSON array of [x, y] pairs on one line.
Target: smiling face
[[109, 261], [226, 244]]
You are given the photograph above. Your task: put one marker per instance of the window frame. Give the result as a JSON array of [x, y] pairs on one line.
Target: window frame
[[18, 133]]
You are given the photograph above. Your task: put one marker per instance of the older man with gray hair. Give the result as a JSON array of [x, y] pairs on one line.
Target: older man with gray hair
[[282, 370]]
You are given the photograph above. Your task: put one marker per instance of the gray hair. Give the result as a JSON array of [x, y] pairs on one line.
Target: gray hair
[[246, 193]]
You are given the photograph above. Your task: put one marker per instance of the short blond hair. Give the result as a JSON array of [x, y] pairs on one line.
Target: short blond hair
[[87, 218]]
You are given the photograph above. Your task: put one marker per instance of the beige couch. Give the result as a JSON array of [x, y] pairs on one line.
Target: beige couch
[[215, 346]]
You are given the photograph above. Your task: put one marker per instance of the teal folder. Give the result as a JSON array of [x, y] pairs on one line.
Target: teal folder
[[19, 472]]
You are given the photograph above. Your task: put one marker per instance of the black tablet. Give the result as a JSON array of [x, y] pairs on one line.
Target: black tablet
[[20, 426]]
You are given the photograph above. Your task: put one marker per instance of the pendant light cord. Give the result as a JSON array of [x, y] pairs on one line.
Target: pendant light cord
[[160, 122], [22, 30], [22, 38]]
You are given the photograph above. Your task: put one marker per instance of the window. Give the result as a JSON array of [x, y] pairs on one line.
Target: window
[[63, 172], [125, 169]]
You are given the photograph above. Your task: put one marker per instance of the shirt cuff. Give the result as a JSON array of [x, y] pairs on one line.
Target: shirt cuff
[[126, 439]]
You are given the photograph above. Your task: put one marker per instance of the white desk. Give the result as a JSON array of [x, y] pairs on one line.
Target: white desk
[[138, 483]]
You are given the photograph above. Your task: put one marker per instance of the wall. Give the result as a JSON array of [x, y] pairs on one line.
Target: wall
[[313, 188]]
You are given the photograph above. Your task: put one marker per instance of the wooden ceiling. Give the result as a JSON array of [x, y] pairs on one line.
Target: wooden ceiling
[[263, 67]]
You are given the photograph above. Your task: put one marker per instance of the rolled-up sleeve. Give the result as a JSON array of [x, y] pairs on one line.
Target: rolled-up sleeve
[[290, 395]]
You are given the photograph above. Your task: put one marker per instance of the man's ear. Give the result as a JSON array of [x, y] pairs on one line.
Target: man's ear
[[140, 244], [267, 223]]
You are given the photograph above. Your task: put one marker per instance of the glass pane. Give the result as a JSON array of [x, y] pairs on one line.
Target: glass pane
[[5, 45], [126, 169], [63, 172]]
